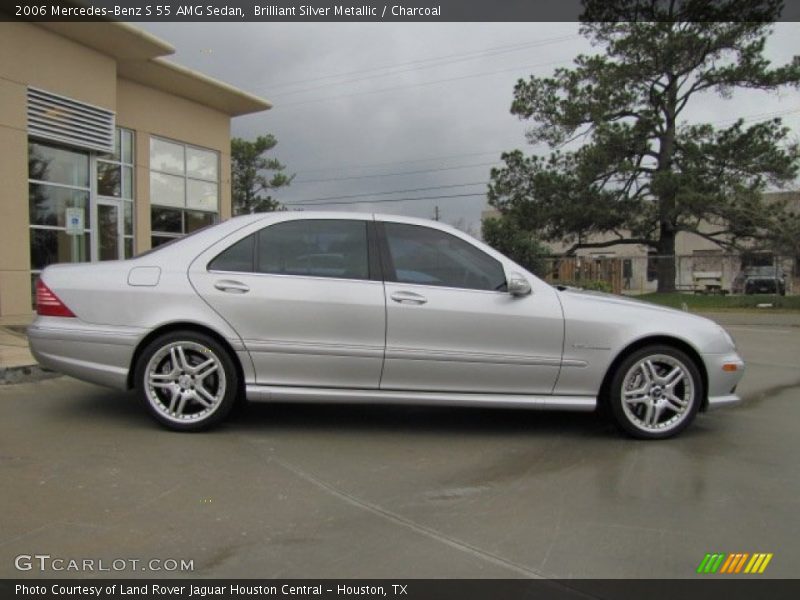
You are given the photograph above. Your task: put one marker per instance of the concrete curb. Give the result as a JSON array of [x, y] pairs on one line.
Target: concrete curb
[[25, 374]]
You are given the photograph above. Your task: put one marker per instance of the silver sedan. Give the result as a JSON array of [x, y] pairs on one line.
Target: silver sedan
[[348, 307]]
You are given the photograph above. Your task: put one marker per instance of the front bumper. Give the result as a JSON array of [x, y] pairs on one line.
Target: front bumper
[[722, 380]]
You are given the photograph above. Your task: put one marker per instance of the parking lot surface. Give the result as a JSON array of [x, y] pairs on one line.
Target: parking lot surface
[[405, 492]]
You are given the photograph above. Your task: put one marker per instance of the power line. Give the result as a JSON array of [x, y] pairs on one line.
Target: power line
[[393, 174], [394, 199], [478, 53], [418, 84], [402, 162], [369, 194], [413, 69]]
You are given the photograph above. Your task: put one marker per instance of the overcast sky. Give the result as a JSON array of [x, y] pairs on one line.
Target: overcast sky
[[381, 107]]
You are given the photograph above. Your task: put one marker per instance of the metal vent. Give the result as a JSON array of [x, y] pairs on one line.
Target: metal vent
[[68, 121]]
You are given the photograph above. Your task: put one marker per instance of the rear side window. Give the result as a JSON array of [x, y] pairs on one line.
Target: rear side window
[[314, 247], [428, 256], [239, 257]]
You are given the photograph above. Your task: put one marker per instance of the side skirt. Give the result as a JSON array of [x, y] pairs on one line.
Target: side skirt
[[265, 393]]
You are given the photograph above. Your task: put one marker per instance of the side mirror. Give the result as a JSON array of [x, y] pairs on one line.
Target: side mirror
[[518, 285]]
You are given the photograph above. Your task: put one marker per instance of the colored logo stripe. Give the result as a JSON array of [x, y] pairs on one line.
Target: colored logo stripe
[[723, 563]]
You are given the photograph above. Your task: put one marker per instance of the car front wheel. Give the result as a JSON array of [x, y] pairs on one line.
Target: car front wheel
[[656, 392], [187, 381]]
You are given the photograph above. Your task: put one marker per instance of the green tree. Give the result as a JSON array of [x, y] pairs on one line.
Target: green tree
[[254, 175], [522, 246], [642, 175]]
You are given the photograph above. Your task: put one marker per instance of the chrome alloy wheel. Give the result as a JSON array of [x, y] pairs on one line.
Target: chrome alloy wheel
[[185, 381], [658, 393]]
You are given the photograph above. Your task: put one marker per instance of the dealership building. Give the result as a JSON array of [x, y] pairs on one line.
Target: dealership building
[[107, 149]]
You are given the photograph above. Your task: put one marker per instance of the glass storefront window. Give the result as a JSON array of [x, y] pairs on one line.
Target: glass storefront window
[[201, 195], [197, 220], [50, 246], [101, 185], [48, 204], [53, 164], [166, 221], [185, 181], [202, 164], [109, 179], [167, 190], [167, 157]]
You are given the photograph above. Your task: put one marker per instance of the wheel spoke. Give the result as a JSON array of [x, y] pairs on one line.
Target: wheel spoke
[[204, 397], [207, 370], [675, 403], [637, 392], [674, 377], [650, 370], [203, 365], [181, 404], [174, 399], [185, 366], [648, 413]]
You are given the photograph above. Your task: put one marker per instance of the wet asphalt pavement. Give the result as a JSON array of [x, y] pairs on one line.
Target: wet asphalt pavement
[[397, 492]]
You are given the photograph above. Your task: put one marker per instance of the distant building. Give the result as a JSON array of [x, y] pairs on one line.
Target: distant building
[[699, 261], [107, 148]]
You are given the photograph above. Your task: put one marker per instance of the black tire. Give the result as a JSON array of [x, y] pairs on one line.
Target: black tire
[[632, 416], [162, 386]]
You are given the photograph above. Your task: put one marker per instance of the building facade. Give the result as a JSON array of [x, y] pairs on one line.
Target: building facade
[[107, 148]]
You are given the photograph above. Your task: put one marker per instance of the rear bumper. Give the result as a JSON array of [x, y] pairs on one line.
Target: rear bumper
[[96, 353], [722, 382]]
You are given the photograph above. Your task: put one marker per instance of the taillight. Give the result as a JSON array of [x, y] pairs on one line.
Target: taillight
[[48, 304]]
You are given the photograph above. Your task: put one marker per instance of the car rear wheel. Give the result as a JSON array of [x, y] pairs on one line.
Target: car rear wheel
[[655, 392], [187, 380]]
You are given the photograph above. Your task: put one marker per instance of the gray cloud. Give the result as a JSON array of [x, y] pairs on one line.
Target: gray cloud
[[337, 127]]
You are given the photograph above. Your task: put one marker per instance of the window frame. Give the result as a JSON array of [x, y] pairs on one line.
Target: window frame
[[390, 274], [125, 202], [373, 261]]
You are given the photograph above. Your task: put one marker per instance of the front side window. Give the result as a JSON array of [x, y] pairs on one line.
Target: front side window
[[184, 189], [421, 255]]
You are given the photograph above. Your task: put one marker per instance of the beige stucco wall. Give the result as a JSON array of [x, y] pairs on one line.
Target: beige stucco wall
[[174, 118], [15, 253], [32, 56]]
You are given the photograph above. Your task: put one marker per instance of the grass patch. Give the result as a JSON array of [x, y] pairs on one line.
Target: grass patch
[[714, 302]]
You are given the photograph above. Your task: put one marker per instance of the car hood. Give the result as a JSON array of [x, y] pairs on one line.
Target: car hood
[[622, 301], [602, 316]]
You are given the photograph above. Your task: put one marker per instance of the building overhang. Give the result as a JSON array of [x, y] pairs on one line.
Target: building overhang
[[174, 79], [139, 58]]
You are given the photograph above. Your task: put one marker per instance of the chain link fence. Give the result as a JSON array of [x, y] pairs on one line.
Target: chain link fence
[[699, 273]]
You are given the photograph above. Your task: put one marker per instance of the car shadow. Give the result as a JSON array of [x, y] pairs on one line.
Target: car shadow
[[418, 420], [115, 407]]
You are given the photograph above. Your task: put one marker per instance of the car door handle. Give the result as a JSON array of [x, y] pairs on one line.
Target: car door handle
[[232, 287], [408, 298]]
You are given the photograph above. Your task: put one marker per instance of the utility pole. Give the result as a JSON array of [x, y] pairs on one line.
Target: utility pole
[[436, 213]]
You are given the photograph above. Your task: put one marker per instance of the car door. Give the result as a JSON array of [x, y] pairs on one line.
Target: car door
[[451, 326], [305, 300]]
